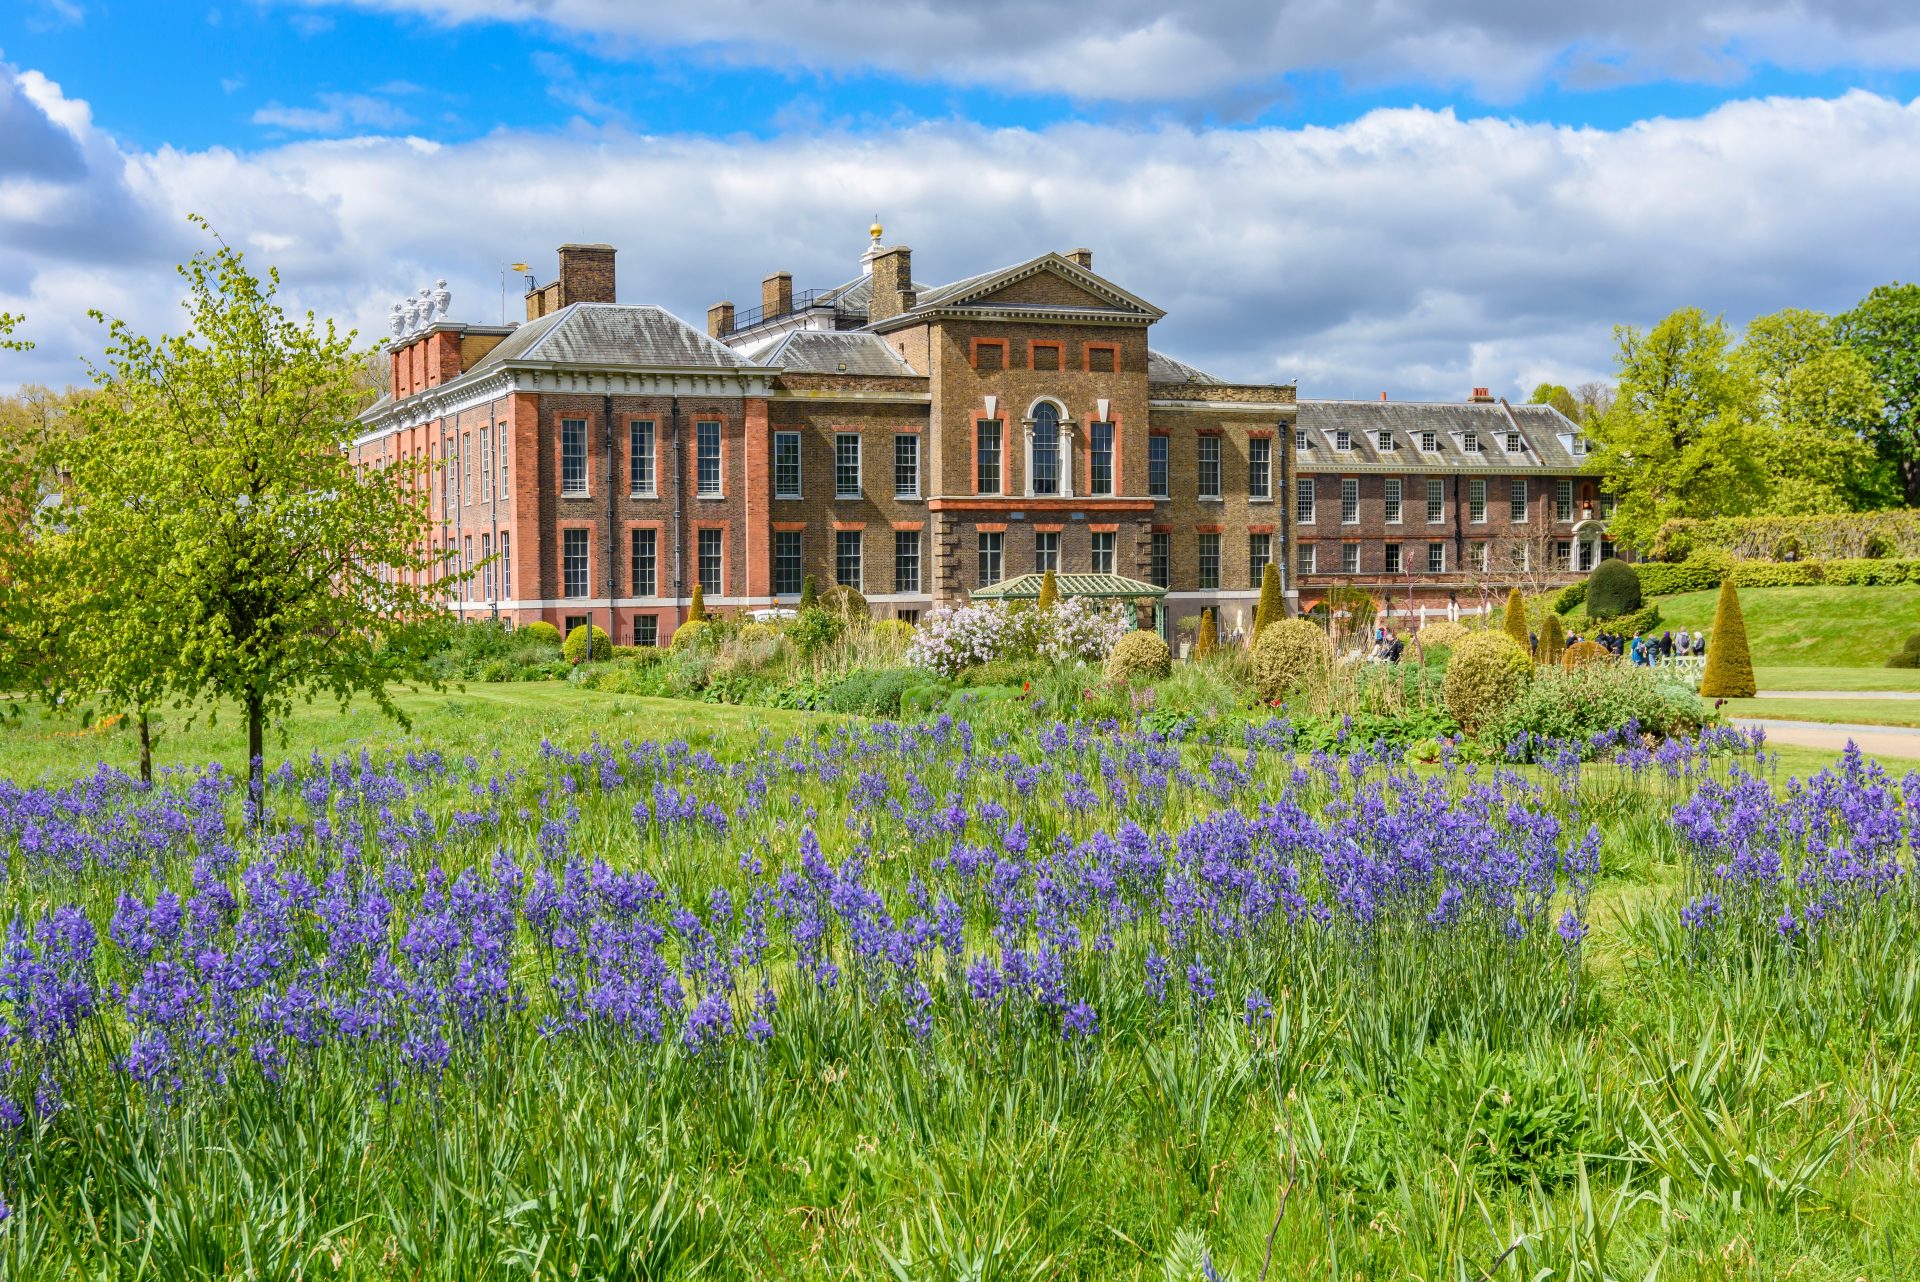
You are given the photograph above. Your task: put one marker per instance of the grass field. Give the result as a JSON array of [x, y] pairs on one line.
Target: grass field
[[1837, 679], [1862, 712], [1812, 627]]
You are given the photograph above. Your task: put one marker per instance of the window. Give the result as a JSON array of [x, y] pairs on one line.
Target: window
[[640, 478], [1209, 469], [646, 629], [1045, 477], [1518, 500], [1160, 559], [992, 545], [1470, 441], [909, 617], [1301, 441], [1046, 551], [712, 559], [906, 561], [1260, 468], [1157, 467], [1209, 562], [644, 562], [986, 466], [1259, 552], [1393, 500], [1343, 440], [570, 622], [1393, 558], [1103, 542], [1563, 554], [506, 568], [1477, 501], [1579, 445], [786, 465], [1429, 442], [846, 465], [1044, 356], [706, 439], [1436, 558], [1436, 502], [1563, 500], [466, 564], [573, 562], [486, 560], [486, 464], [505, 493], [1349, 500], [1383, 441], [466, 480], [788, 574], [1304, 555], [1349, 558], [573, 456], [1514, 444], [1100, 459], [906, 466]]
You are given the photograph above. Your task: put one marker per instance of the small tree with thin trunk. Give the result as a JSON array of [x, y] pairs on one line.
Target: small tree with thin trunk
[[1729, 673], [1268, 611], [214, 470]]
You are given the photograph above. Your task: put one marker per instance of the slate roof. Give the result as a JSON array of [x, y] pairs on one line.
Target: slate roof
[[1026, 587], [611, 334], [1162, 368], [820, 351], [855, 298], [1546, 433]]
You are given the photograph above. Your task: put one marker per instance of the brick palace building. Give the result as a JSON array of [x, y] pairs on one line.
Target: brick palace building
[[921, 441]]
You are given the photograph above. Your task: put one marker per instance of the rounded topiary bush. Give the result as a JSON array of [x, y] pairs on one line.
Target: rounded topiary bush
[[1909, 655], [689, 634], [845, 602], [1139, 657], [1287, 654], [541, 632], [1581, 653], [575, 650], [1613, 589], [754, 632], [1487, 671], [1442, 634]]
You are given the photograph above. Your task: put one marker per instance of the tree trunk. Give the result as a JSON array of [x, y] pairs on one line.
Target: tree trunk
[[256, 757], [146, 750]]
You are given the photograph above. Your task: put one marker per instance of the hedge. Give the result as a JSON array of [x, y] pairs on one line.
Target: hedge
[[1834, 536], [1704, 572]]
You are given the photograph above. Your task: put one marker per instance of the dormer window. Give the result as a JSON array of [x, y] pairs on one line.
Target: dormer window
[[1470, 441], [1384, 440], [1429, 443], [1300, 441], [1579, 446], [1343, 440], [1514, 444]]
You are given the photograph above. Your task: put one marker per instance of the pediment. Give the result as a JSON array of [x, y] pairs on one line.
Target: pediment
[[1048, 281]]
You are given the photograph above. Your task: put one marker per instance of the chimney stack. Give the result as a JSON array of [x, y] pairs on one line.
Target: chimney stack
[[892, 283], [1081, 258], [1481, 396], [1383, 396], [776, 295], [586, 276], [720, 320]]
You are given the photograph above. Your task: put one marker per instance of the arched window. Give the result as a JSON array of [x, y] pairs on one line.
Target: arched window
[[1046, 448]]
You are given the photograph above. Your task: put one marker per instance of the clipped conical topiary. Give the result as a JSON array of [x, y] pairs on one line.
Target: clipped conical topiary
[[697, 612], [809, 593], [1268, 610], [1515, 622], [1729, 673], [1049, 591], [1553, 639], [1209, 638]]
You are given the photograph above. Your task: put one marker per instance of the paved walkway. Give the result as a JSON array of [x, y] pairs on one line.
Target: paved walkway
[[1838, 694], [1833, 736]]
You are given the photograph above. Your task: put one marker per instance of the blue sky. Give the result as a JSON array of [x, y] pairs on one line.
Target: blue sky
[[1410, 196]]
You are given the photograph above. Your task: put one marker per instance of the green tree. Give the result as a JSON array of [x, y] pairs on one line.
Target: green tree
[[809, 593], [1815, 405], [1269, 609], [1675, 441], [697, 608], [1885, 328], [1729, 672], [214, 461], [1049, 591], [20, 637], [1208, 639], [1559, 397], [1515, 620]]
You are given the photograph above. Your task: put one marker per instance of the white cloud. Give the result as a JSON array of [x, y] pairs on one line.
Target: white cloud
[[337, 113], [1214, 51], [1408, 251]]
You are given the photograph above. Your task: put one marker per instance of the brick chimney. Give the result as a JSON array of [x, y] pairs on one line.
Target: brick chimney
[[720, 320], [1481, 396], [776, 295], [1081, 258], [586, 276], [892, 283]]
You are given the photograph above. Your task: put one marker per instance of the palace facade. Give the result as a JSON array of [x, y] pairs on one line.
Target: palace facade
[[920, 441]]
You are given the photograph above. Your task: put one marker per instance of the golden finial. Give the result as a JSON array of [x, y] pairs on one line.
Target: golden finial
[[874, 231]]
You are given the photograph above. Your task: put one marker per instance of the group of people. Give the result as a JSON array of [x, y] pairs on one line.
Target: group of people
[[1644, 652], [1387, 646]]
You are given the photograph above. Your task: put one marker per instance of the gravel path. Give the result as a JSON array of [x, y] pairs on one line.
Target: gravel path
[[1875, 741]]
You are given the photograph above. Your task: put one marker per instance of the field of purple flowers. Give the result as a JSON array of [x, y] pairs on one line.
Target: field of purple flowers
[[910, 1001]]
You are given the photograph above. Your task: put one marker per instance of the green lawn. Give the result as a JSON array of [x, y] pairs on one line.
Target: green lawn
[[1813, 627], [1838, 679], [1864, 712]]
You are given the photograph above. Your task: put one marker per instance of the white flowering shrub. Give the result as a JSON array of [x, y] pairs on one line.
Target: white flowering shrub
[[953, 638]]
